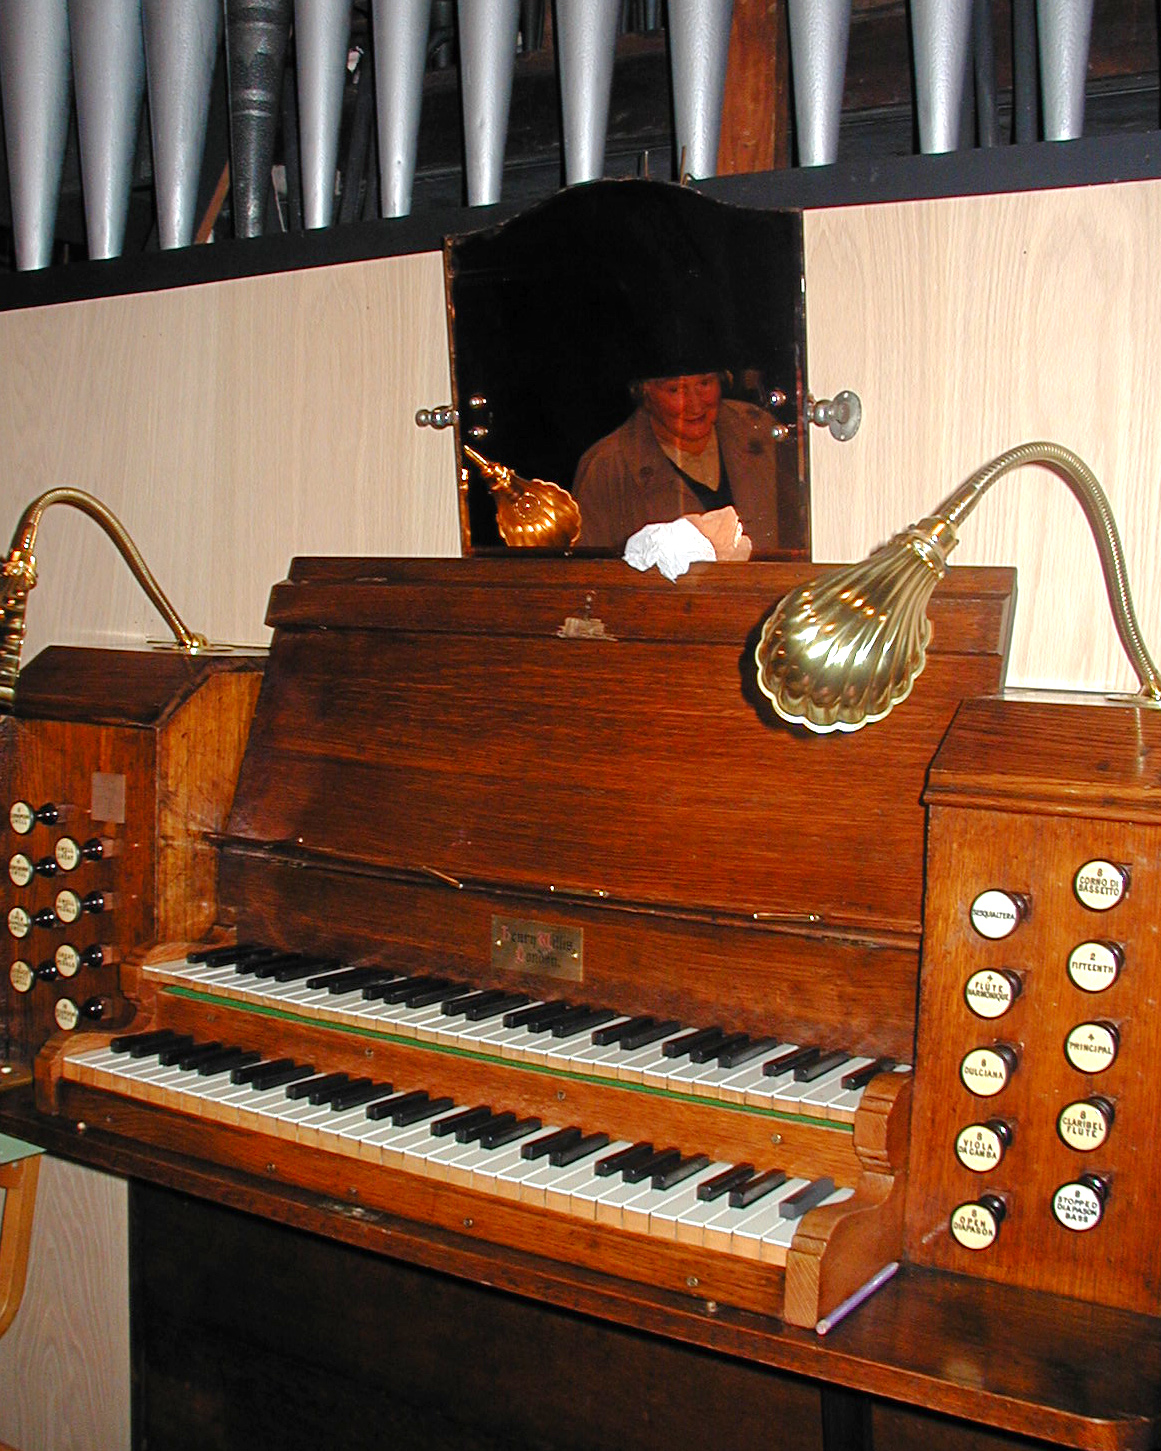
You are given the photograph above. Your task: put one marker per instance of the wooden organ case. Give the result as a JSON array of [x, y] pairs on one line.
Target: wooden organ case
[[558, 784]]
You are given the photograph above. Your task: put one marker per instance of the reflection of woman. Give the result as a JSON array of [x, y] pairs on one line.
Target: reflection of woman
[[684, 450]]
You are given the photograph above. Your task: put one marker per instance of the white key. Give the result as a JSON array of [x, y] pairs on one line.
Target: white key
[[496, 1163], [796, 1092], [360, 1129], [747, 1236], [491, 1031], [601, 1057], [565, 1051], [559, 1195], [675, 1205], [830, 1086], [740, 1230], [636, 1059], [784, 1231]]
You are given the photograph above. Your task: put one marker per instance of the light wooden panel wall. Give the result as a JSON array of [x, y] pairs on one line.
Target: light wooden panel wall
[[64, 1362], [229, 426], [970, 325], [234, 425]]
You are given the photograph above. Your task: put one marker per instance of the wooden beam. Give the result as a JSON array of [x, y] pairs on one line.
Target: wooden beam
[[755, 133]]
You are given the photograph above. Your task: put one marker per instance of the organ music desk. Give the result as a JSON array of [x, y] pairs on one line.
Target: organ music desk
[[517, 857]]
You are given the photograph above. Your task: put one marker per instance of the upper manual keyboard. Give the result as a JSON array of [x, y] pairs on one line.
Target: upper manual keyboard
[[578, 1038]]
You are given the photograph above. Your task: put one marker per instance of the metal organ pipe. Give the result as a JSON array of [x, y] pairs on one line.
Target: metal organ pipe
[[34, 84], [108, 50], [181, 50]]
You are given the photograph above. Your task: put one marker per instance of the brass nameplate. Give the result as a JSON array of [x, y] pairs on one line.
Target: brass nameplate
[[541, 948]]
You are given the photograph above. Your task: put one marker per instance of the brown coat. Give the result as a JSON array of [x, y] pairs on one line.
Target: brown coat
[[625, 481]]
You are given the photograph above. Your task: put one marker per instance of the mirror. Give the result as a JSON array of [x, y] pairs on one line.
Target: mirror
[[605, 339]]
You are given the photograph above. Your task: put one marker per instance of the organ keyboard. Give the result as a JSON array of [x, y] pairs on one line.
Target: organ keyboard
[[581, 976], [521, 838]]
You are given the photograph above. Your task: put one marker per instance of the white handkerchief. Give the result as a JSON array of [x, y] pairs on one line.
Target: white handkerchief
[[671, 547]]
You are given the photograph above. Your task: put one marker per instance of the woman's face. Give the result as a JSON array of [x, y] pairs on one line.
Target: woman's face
[[683, 409]]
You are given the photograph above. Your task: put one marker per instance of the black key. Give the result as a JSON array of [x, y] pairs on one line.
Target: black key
[[747, 1052], [325, 1092], [386, 1106], [518, 1017], [581, 1020], [616, 1031], [401, 988], [147, 1051], [249, 1071], [380, 984], [266, 964], [318, 1090], [480, 1012], [352, 1085], [823, 1064], [657, 1163], [457, 1005], [348, 980], [562, 1026], [561, 1139], [708, 1050], [280, 1072], [680, 1047], [790, 1062], [495, 1138], [305, 1088], [540, 1018], [435, 993], [172, 1051], [225, 1060], [435, 1106], [727, 1045], [399, 1103], [361, 1091], [404, 1108], [757, 1188], [860, 1077], [306, 967], [590, 1144], [391, 991], [455, 1121], [727, 1180], [681, 1171], [326, 973], [468, 1133], [623, 1159], [796, 1204], [588, 1023], [140, 1045], [650, 1032], [223, 956], [189, 1058]]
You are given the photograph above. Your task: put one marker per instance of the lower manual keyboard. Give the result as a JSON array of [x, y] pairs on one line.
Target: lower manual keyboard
[[572, 1192], [379, 1124]]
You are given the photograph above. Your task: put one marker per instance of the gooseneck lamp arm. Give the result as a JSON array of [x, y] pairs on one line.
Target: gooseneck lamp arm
[[843, 651], [20, 574]]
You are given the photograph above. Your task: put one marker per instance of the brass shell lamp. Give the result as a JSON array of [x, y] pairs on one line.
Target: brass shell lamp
[[20, 574], [530, 513], [842, 651]]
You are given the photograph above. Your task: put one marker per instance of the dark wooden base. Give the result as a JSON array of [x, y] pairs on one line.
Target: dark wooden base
[[251, 1335], [245, 1272]]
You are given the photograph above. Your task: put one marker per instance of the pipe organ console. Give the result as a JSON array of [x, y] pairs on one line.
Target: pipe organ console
[[543, 952]]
